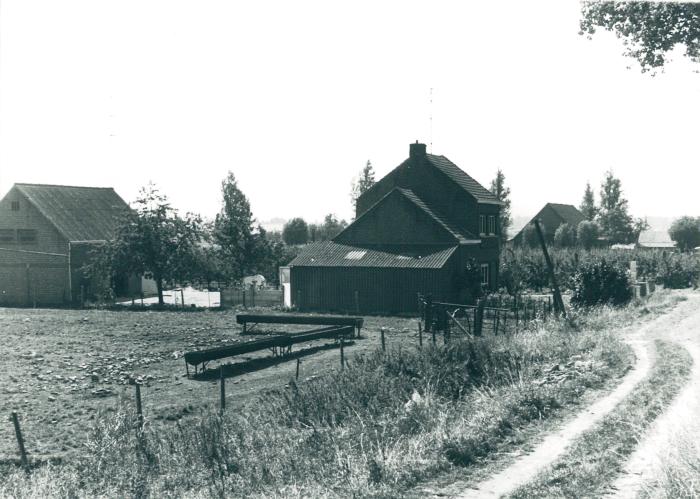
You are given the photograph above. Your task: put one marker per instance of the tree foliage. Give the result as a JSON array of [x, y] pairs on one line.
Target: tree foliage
[[530, 237], [587, 234], [565, 236], [154, 241], [326, 231], [242, 246], [295, 232], [648, 30], [362, 183], [499, 189], [686, 233], [615, 222], [588, 207]]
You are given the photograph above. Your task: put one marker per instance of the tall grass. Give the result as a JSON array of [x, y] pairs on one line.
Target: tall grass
[[372, 430], [680, 472]]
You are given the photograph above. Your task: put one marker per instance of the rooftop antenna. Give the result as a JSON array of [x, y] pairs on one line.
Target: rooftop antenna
[[431, 120]]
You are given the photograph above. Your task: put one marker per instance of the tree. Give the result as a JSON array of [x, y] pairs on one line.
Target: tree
[[648, 30], [154, 241], [615, 223], [242, 245], [499, 189], [295, 232], [587, 233], [686, 233], [565, 236], [588, 207], [530, 237], [362, 184]]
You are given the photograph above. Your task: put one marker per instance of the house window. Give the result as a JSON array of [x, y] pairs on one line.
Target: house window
[[492, 224], [482, 224], [14, 205], [485, 274], [7, 236], [26, 236]]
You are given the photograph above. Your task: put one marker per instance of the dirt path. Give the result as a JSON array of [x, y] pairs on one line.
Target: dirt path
[[683, 413], [526, 468]]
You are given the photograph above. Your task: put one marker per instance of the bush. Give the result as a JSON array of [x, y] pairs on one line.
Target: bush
[[600, 282], [680, 272]]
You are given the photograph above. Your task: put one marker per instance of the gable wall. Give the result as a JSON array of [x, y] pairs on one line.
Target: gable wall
[[395, 221], [28, 217]]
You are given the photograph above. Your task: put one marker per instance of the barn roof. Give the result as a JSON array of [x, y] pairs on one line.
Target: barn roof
[[460, 177], [569, 213], [655, 239], [79, 213], [331, 254]]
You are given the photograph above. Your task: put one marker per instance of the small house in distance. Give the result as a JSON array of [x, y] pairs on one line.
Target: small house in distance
[[417, 230], [655, 239], [46, 234], [551, 216]]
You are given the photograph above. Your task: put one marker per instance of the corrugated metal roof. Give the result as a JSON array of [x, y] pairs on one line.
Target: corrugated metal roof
[[461, 235], [79, 213], [458, 176], [330, 254]]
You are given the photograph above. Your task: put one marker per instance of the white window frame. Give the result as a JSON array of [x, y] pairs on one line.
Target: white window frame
[[482, 224], [485, 274], [492, 224]]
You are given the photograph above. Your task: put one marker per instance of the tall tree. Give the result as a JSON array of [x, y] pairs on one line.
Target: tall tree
[[243, 245], [295, 232], [648, 30], [363, 183], [156, 242], [499, 189], [587, 233], [614, 220], [686, 233], [588, 207]]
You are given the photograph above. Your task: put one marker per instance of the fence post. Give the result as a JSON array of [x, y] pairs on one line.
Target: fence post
[[182, 297], [139, 410], [244, 305], [383, 341], [429, 314], [479, 319], [357, 302], [342, 354], [297, 375], [222, 389], [420, 334], [20, 442]]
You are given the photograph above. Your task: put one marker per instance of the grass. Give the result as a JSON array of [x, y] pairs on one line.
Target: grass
[[680, 473], [385, 424], [597, 457]]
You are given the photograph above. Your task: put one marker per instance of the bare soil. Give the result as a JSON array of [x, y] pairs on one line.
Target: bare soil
[[63, 367]]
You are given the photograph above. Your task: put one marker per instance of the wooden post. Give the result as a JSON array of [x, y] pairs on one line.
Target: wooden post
[[479, 317], [357, 302], [222, 389], [244, 306], [420, 334], [139, 410], [82, 296], [432, 330], [182, 296], [558, 302], [142, 298], [429, 314], [342, 354], [20, 442], [297, 375], [383, 341]]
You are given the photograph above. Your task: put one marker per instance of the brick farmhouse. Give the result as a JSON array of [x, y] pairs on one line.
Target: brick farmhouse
[[416, 230], [46, 234]]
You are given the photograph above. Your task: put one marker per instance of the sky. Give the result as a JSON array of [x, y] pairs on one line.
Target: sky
[[295, 97]]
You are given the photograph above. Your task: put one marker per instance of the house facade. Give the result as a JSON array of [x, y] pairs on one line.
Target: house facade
[[47, 233], [417, 230]]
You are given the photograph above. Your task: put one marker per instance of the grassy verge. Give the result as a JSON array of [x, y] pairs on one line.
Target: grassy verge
[[598, 456], [680, 474], [386, 423]]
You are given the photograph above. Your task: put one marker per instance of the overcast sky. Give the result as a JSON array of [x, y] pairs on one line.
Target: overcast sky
[[295, 97]]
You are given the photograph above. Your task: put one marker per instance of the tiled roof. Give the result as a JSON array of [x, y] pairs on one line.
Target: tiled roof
[[461, 235], [458, 176], [330, 254], [568, 213], [79, 213]]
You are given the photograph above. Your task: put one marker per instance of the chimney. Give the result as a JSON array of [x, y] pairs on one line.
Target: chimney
[[416, 150]]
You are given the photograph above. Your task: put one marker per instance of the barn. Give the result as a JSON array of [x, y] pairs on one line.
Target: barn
[[551, 216], [417, 230], [47, 233]]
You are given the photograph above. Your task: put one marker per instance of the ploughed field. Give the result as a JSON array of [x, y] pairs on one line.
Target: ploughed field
[[62, 367]]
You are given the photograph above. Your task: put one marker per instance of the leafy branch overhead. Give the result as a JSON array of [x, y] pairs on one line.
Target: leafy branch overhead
[[648, 30]]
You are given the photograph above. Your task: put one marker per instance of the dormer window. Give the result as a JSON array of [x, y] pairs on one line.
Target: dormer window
[[482, 224], [14, 205]]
